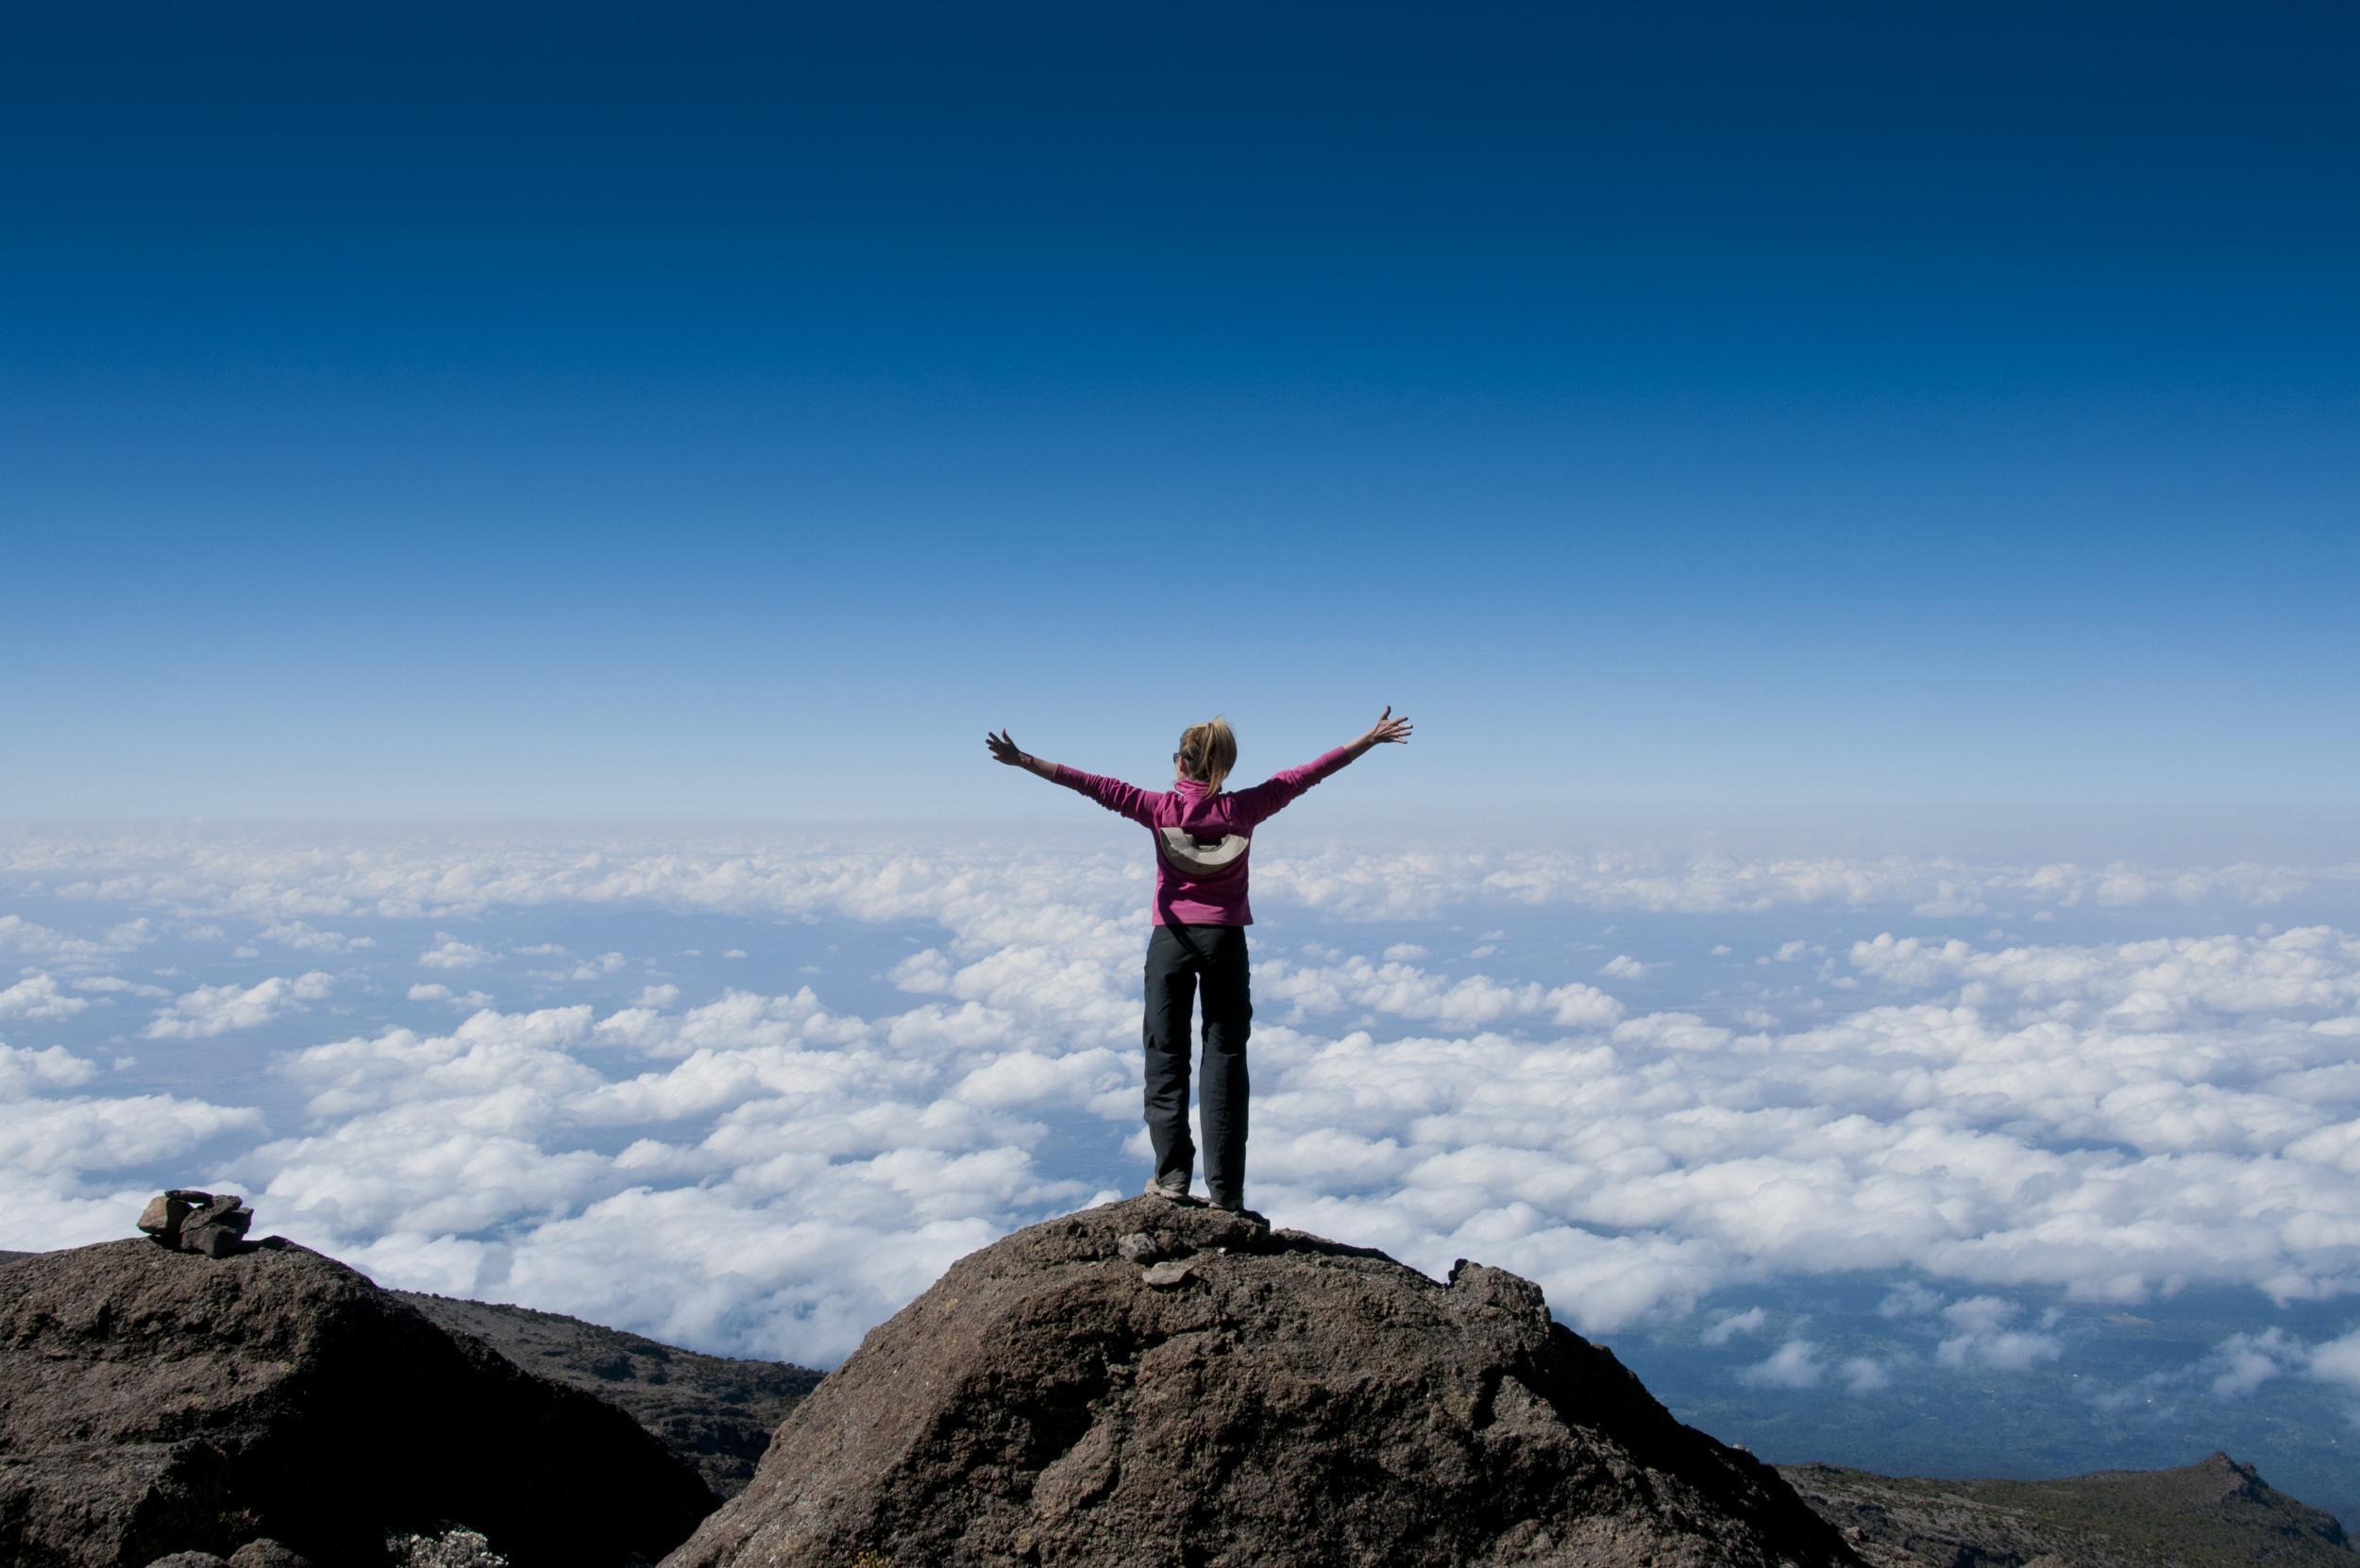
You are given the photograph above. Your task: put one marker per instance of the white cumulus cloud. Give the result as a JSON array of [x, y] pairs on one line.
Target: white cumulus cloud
[[37, 1000], [211, 1010], [1793, 1365], [449, 953], [307, 938]]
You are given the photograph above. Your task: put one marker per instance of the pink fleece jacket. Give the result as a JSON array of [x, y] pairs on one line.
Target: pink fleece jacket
[[1197, 895]]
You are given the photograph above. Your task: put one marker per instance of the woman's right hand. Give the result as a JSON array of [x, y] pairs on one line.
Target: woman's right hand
[[1003, 748]]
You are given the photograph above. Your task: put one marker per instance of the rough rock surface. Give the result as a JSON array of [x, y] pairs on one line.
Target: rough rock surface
[[159, 1401], [1292, 1401], [2211, 1514], [714, 1412], [266, 1553]]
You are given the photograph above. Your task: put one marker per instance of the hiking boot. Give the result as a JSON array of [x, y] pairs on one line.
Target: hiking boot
[[1174, 1187], [1250, 1216]]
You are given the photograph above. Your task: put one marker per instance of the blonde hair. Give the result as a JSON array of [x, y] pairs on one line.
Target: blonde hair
[[1208, 750]]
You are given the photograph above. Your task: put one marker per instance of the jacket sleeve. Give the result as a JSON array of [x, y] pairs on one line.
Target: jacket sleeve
[[1121, 798], [1267, 798]]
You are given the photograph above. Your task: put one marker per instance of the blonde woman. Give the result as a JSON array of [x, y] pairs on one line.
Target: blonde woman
[[1203, 836]]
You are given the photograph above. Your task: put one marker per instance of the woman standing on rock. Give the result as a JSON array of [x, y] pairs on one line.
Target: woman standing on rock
[[1202, 836]]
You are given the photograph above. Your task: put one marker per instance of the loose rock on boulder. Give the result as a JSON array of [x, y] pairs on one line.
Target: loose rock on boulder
[[262, 1553], [266, 1553], [196, 1222], [1246, 1398]]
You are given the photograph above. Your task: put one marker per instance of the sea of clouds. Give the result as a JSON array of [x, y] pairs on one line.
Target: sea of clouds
[[753, 1092]]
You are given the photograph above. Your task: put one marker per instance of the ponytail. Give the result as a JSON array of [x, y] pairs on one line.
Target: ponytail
[[1208, 750]]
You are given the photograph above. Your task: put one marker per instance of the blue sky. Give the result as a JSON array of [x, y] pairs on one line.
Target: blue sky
[[1906, 449], [586, 412]]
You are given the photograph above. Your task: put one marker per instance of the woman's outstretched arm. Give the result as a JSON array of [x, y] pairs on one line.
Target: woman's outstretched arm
[[1266, 799], [1122, 799]]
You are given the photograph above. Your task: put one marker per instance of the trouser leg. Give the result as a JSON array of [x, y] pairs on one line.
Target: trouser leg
[[1171, 992], [1221, 1088]]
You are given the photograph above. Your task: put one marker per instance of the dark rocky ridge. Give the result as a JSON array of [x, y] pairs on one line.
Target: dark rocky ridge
[[2214, 1515], [159, 1401], [2207, 1515], [1275, 1399], [713, 1411]]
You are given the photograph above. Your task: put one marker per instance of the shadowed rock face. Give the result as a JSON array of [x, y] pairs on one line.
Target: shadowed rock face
[[1285, 1400], [714, 1412], [158, 1401]]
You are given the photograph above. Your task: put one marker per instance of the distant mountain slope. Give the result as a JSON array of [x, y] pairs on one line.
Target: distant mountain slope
[[2207, 1515], [714, 1412]]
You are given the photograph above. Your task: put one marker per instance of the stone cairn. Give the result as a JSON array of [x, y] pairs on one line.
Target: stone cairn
[[189, 1220]]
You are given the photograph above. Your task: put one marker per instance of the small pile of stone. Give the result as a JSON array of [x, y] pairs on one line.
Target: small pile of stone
[[189, 1220]]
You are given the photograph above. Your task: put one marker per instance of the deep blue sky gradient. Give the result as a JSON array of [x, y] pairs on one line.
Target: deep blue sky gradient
[[698, 410]]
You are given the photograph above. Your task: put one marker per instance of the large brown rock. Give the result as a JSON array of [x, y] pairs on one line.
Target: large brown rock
[[156, 1401], [1290, 1401]]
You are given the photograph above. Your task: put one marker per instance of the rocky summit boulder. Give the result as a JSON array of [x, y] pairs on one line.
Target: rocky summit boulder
[[158, 1401], [1154, 1386]]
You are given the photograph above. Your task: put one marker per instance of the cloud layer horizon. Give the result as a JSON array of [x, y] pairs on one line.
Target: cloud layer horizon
[[752, 1095]]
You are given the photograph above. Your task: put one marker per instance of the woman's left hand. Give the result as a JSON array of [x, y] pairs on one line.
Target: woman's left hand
[[1388, 727]]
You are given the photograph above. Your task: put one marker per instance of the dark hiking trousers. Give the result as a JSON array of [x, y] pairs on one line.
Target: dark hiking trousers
[[1179, 959]]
